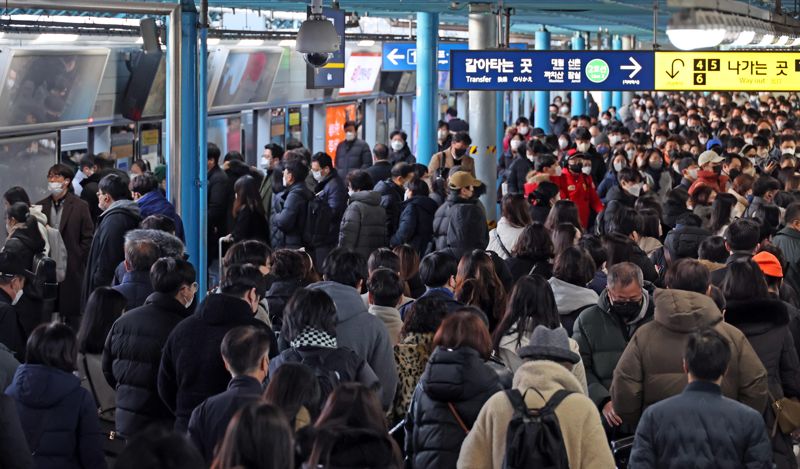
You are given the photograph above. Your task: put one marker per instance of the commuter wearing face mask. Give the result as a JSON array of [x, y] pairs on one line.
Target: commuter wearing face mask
[[583, 144], [732, 166], [332, 190], [564, 144], [12, 281], [289, 207], [635, 120], [619, 160], [400, 153], [70, 215], [520, 167], [557, 125], [688, 169], [659, 180], [443, 136], [455, 155], [576, 185], [710, 173], [516, 151], [352, 153], [545, 169], [624, 194]]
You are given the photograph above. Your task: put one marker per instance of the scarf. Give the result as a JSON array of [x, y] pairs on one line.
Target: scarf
[[311, 337]]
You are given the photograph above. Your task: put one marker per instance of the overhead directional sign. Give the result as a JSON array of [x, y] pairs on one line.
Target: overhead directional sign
[[727, 71], [402, 56], [508, 70]]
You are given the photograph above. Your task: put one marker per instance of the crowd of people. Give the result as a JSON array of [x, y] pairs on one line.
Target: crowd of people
[[635, 305]]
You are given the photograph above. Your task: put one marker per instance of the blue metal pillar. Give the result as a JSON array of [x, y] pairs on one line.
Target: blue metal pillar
[[616, 96], [578, 98], [202, 151], [427, 92], [189, 164], [541, 99]]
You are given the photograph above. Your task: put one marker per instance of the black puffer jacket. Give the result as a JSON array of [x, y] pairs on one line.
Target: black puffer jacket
[[416, 224], [460, 225], [131, 358], [277, 296], [363, 227], [391, 198], [684, 241], [25, 241], [289, 216], [402, 156], [433, 434]]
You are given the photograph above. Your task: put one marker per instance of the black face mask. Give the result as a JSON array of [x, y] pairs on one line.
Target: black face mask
[[575, 168], [717, 170], [627, 310], [553, 116], [460, 153], [734, 173]]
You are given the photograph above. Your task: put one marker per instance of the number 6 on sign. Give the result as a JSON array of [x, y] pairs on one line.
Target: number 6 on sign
[[699, 78]]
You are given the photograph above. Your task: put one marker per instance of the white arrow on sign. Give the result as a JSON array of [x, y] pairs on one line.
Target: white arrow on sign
[[634, 66], [393, 56]]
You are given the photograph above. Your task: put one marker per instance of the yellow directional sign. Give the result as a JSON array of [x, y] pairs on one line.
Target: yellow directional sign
[[727, 71]]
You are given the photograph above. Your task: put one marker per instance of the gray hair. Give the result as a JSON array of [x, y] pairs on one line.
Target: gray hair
[[623, 274], [170, 245]]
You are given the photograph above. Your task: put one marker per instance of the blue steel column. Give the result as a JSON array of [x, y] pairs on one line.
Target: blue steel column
[[189, 163], [578, 97], [605, 100], [616, 96], [202, 137], [541, 99], [427, 89]]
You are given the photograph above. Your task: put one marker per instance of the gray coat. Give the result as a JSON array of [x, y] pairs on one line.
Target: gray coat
[[788, 239], [363, 227], [363, 333]]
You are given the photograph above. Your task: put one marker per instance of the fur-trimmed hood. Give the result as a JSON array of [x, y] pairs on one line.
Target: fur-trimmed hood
[[756, 316]]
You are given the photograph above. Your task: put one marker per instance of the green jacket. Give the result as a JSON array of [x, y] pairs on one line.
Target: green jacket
[[788, 239], [602, 338]]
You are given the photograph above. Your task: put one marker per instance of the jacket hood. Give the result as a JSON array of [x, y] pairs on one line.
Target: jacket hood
[[684, 311], [790, 232], [570, 297], [757, 316], [40, 386], [711, 266], [366, 197], [422, 202], [545, 376], [156, 201], [36, 212], [454, 198], [348, 302], [127, 207], [454, 375], [223, 309]]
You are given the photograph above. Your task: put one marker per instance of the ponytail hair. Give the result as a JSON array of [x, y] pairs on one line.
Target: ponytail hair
[[20, 213]]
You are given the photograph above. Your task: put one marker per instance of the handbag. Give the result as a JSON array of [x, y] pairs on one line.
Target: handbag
[[787, 414], [113, 443]]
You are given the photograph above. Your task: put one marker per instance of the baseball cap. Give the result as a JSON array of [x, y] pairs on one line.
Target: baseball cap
[[709, 156], [11, 265], [462, 179], [768, 264], [713, 141]]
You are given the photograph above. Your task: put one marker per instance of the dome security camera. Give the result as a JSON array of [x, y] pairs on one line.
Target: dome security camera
[[317, 59]]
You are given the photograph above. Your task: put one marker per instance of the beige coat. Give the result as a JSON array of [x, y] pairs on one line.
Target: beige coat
[[391, 319], [466, 162], [584, 437]]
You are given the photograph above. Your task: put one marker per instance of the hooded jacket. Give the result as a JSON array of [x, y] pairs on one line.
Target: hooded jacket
[[333, 191], [131, 358], [578, 419], [651, 367], [571, 300], [363, 227], [460, 225], [392, 196], [602, 336], [453, 376], [108, 245], [25, 241], [136, 287], [363, 333], [509, 349], [684, 241], [288, 217], [153, 203], [416, 224], [191, 366], [59, 418]]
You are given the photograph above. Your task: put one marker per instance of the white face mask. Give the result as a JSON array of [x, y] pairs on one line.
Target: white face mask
[[682, 122], [583, 147], [350, 136], [17, 297], [350, 192], [780, 124], [530, 157], [559, 171], [660, 142], [693, 173], [748, 140], [672, 125], [55, 188], [635, 190], [618, 166], [613, 139], [285, 181], [397, 145], [586, 170], [189, 303], [604, 122], [562, 143], [442, 134], [787, 151], [407, 195], [564, 110], [515, 145], [524, 130], [317, 175]]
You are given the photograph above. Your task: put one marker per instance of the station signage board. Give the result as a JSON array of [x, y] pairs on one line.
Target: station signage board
[[402, 56], [511, 70], [727, 71]]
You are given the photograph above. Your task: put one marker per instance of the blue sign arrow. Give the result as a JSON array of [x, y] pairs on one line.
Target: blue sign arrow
[[512, 70], [402, 56]]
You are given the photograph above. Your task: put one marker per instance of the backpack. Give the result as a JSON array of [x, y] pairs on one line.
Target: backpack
[[322, 364], [441, 172], [44, 284], [317, 228], [58, 252], [534, 437]]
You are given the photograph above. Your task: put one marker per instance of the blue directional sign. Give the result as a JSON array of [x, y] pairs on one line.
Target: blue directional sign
[[402, 56], [513, 70]]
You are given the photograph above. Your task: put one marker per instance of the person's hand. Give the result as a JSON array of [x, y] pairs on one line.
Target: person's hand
[[611, 417], [771, 167]]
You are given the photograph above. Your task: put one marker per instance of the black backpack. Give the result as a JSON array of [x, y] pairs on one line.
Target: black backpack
[[44, 285], [317, 228], [331, 367], [534, 437]]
